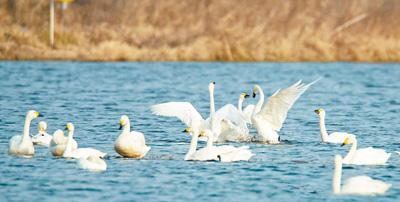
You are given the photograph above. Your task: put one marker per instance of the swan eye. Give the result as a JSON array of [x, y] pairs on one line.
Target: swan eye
[[42, 134]]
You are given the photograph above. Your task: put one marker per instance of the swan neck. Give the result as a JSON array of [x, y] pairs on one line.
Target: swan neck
[[27, 124], [260, 102], [68, 147], [337, 177], [352, 151], [240, 105], [210, 139], [127, 128], [322, 129], [212, 104], [193, 146]]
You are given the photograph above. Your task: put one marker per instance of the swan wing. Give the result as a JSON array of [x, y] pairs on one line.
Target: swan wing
[[276, 109], [184, 111], [229, 112], [86, 152]]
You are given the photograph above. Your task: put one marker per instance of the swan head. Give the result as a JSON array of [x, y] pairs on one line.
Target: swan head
[[243, 96], [205, 133], [58, 134], [42, 126], [211, 86], [123, 121], [320, 112], [32, 114], [348, 140], [256, 88], [70, 127]]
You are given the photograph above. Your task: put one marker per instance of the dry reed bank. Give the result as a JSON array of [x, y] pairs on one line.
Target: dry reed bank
[[203, 30]]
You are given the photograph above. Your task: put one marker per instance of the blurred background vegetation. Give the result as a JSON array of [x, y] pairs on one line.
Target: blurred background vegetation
[[203, 30]]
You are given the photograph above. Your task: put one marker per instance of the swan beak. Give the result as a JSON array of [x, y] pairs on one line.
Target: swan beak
[[254, 94], [246, 96], [342, 144], [40, 115], [213, 82], [120, 127], [316, 111]]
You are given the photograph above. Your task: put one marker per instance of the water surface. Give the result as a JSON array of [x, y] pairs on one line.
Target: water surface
[[359, 98]]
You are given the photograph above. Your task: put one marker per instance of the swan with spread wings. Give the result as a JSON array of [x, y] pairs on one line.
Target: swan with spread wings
[[269, 117]]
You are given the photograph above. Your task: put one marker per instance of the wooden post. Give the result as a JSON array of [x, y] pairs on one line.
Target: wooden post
[[51, 31]]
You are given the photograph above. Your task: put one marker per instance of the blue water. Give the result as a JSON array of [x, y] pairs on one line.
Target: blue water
[[359, 98]]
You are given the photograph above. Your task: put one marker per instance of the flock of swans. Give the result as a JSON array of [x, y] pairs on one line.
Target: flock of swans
[[229, 123]]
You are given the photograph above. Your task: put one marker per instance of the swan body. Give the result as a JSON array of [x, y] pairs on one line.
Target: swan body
[[42, 138], [358, 185], [225, 153], [58, 143], [364, 156], [335, 137], [22, 145], [268, 118], [92, 163], [130, 144], [235, 121], [185, 112], [79, 152]]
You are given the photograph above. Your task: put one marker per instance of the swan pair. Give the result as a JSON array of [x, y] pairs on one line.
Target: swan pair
[[364, 156], [22, 145], [225, 153], [359, 185]]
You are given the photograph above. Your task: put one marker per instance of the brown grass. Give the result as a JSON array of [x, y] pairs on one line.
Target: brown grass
[[203, 30]]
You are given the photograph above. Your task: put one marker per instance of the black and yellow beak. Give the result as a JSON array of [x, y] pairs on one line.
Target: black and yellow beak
[[254, 94], [316, 111], [246, 95], [40, 115], [120, 127]]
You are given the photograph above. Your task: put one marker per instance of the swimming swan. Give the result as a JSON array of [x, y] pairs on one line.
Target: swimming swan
[[226, 153], [185, 112], [269, 117], [79, 152], [92, 163], [364, 156], [42, 138], [359, 185], [22, 144], [131, 144], [58, 143], [335, 137]]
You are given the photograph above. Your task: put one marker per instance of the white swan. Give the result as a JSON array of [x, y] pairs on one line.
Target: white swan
[[42, 137], [269, 117], [22, 144], [79, 152], [359, 185], [131, 144], [226, 153], [234, 122], [185, 112], [364, 156], [335, 137], [92, 163], [58, 143]]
